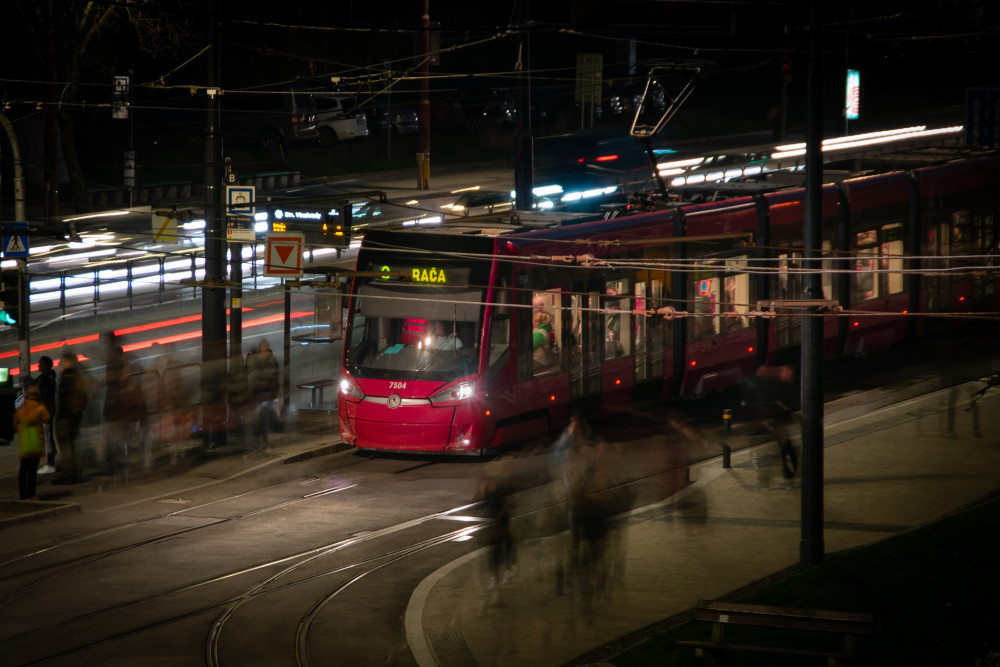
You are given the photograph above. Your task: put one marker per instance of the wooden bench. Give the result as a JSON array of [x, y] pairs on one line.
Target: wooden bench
[[317, 387], [723, 614]]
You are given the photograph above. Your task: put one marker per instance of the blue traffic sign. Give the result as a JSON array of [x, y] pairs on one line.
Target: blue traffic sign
[[15, 239]]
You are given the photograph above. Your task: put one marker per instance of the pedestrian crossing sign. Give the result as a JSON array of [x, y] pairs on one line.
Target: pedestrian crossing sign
[[15, 239]]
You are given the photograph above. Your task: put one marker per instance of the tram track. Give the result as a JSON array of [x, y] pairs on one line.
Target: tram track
[[270, 585], [164, 516], [82, 561]]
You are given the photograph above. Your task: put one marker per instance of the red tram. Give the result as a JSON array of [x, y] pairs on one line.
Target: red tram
[[491, 338]]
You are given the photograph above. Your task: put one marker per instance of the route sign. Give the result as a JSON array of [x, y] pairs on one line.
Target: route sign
[[240, 199], [15, 239], [284, 254], [240, 235]]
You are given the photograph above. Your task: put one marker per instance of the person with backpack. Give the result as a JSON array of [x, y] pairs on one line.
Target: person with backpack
[[29, 420]]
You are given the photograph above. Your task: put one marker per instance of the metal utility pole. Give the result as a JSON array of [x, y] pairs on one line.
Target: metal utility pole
[[811, 547], [424, 137], [524, 164], [213, 307]]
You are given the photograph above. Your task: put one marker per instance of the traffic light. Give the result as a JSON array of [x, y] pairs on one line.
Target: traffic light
[[11, 298]]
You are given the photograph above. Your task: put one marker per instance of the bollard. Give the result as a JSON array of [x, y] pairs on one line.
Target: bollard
[[725, 454], [727, 419]]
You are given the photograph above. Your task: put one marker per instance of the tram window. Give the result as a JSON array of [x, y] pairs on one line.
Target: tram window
[[788, 283], [641, 329], [878, 267], [891, 250], [705, 322], [499, 343], [961, 232], [736, 301], [617, 336], [393, 332], [865, 278], [546, 331], [828, 286], [656, 331]]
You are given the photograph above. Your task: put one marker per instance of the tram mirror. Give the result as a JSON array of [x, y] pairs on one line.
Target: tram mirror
[[432, 303]]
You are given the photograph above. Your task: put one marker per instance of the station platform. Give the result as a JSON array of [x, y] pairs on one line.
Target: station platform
[[893, 460]]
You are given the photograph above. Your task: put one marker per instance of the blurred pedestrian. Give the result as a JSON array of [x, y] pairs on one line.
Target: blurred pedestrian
[[562, 461], [496, 490], [770, 396], [72, 400], [114, 411], [263, 382], [238, 397], [47, 385], [173, 400], [29, 421], [134, 416]]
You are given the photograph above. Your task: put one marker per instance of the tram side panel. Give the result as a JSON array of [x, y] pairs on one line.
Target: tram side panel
[[785, 266], [959, 217], [878, 299], [721, 335]]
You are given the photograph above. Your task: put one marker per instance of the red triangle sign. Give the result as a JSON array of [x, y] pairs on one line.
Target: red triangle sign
[[283, 252]]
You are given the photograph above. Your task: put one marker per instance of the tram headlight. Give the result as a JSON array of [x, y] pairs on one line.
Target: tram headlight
[[457, 392], [350, 389]]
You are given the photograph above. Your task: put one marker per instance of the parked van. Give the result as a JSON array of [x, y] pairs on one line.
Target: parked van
[[337, 118]]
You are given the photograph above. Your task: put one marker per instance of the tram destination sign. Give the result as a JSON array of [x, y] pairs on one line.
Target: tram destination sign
[[429, 275]]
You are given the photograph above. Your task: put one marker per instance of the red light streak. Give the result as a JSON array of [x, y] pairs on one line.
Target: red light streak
[[140, 345], [606, 158]]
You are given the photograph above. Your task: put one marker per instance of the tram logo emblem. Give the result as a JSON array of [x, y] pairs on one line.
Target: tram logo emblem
[[394, 401]]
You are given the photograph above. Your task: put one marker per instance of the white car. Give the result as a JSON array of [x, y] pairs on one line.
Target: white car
[[337, 119]]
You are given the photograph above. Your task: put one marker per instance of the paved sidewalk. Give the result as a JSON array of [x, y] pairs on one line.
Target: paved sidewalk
[[887, 469], [156, 474]]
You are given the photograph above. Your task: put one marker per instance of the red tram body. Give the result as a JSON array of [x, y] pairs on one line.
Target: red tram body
[[492, 338]]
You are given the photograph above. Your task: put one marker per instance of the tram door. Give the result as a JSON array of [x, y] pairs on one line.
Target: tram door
[[586, 341]]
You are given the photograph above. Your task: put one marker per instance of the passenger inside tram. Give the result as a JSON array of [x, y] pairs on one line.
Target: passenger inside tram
[[443, 337]]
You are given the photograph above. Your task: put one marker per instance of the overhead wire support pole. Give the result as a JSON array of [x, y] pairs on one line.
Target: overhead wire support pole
[[524, 165], [424, 109], [811, 548], [20, 215], [213, 301]]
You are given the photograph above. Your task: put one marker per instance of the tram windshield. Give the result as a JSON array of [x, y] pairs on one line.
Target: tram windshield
[[415, 332]]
